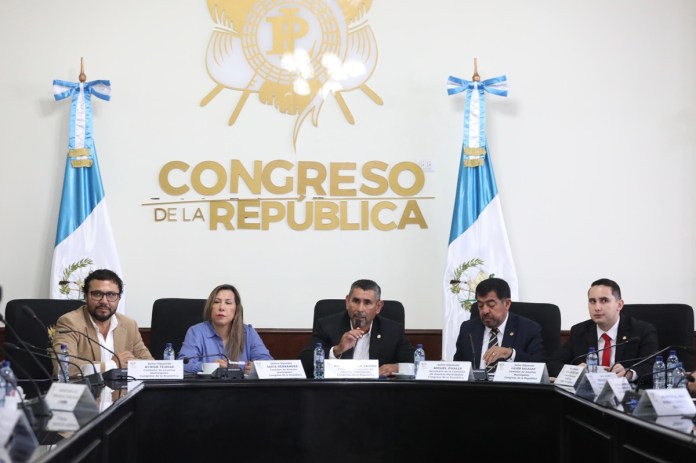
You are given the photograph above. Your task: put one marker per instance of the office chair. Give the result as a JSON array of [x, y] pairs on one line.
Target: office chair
[[393, 310], [674, 324], [171, 318], [547, 315], [31, 332]]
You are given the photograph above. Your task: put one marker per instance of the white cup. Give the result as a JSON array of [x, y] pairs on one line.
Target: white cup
[[406, 369], [91, 368], [209, 368]]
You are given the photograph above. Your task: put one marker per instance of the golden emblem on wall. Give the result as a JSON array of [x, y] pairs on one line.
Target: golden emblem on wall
[[294, 54]]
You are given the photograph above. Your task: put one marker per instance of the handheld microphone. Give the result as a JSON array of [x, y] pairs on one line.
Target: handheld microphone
[[116, 373], [357, 323], [628, 341]]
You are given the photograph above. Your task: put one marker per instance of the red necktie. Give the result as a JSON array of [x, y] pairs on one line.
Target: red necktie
[[606, 354]]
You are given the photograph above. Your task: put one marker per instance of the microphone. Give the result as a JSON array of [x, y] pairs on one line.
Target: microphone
[[16, 347], [357, 323], [222, 373], [632, 340], [115, 373], [479, 374], [688, 349], [188, 359], [94, 379]]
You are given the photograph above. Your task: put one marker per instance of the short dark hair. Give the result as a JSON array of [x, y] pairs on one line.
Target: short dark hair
[[366, 285], [615, 290], [497, 285], [102, 275]]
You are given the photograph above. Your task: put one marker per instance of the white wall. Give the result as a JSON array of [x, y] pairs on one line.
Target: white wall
[[594, 150]]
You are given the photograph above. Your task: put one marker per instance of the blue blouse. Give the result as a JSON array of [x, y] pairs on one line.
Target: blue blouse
[[202, 344]]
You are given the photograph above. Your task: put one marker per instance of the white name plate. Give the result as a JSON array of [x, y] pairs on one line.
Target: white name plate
[[156, 369], [445, 371], [613, 392], [70, 397], [569, 377], [277, 369], [592, 384], [665, 402], [351, 368], [521, 372], [62, 421]]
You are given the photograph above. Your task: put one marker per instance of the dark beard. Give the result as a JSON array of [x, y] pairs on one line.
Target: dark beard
[[101, 318]]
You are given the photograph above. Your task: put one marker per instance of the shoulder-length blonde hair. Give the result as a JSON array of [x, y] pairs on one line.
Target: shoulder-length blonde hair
[[235, 340]]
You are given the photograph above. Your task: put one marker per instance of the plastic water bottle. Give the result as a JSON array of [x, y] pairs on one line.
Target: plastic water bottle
[[63, 365], [672, 361], [418, 357], [8, 381], [318, 361], [592, 360], [679, 376], [659, 376], [3, 391], [169, 352]]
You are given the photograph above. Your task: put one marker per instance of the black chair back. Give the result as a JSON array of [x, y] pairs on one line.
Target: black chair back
[[674, 324], [547, 315], [31, 332], [171, 318], [393, 310]]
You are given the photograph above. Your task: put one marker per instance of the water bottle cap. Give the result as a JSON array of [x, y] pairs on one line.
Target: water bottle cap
[[63, 346], [169, 344], [5, 363], [319, 344], [658, 358], [592, 349], [419, 346]]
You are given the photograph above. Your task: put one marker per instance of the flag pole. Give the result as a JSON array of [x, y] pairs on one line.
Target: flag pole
[[476, 77]]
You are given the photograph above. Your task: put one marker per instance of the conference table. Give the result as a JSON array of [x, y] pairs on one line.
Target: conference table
[[386, 420]]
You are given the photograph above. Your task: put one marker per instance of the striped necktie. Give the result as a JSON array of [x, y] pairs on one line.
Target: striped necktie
[[492, 342]]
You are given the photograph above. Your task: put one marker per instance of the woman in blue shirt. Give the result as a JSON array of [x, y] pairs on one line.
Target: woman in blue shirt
[[223, 336]]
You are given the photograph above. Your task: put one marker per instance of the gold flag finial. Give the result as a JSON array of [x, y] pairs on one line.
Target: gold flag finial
[[82, 75]]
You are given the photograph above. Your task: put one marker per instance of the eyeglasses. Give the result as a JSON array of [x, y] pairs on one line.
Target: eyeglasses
[[98, 295]]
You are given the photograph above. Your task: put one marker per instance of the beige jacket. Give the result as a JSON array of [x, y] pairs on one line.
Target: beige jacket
[[126, 338]]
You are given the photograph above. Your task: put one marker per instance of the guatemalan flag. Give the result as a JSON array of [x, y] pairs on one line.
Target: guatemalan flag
[[478, 242], [84, 241]]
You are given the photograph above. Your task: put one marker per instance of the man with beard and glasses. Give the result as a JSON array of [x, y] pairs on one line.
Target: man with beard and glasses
[[361, 333], [98, 320]]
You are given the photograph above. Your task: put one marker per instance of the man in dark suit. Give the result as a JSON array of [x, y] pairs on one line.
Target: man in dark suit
[[360, 333], [515, 338], [605, 304]]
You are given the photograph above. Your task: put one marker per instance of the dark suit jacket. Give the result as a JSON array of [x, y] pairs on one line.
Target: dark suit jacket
[[388, 343], [521, 334], [584, 335]]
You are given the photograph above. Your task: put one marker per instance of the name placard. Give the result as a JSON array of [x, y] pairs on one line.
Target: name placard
[[613, 392], [665, 402], [277, 369], [569, 377], [351, 368], [62, 421], [445, 371], [592, 383], [156, 369], [521, 372], [71, 398]]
